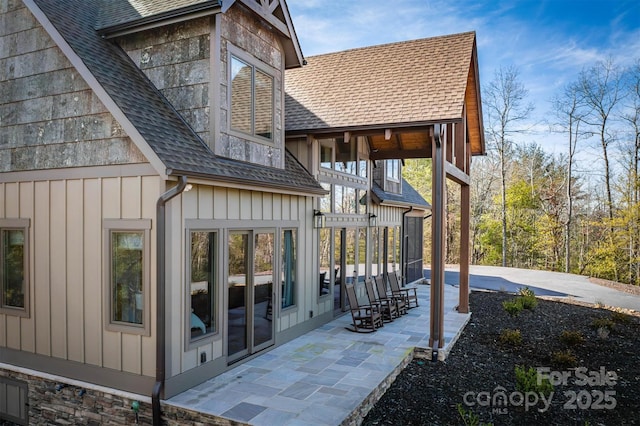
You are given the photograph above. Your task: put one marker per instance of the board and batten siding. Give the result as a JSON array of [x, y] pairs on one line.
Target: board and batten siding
[[223, 209], [66, 268]]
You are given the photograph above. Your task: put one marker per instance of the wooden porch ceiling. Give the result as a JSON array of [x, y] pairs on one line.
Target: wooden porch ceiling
[[401, 144]]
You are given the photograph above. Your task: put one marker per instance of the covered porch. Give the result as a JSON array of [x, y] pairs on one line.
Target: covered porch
[[414, 99]]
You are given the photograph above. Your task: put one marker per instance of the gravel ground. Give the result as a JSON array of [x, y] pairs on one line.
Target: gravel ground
[[597, 378]]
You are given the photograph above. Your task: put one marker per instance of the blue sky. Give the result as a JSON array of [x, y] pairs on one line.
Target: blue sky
[[549, 41]]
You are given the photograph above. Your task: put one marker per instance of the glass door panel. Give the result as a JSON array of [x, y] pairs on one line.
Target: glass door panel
[[237, 305], [263, 290], [339, 269]]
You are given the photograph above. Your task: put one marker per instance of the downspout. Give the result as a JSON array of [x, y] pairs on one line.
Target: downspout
[[158, 387], [405, 242]]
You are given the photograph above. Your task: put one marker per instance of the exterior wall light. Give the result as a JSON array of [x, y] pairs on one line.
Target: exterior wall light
[[373, 220], [318, 219]]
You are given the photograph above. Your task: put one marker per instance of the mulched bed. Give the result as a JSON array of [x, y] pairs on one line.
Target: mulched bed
[[480, 368]]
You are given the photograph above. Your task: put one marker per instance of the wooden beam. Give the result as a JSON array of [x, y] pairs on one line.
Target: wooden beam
[[395, 153], [262, 10], [438, 202], [458, 134], [449, 135], [465, 207], [456, 175]]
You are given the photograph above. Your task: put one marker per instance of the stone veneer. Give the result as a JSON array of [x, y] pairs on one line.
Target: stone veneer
[[61, 402], [50, 117], [243, 30], [176, 58]]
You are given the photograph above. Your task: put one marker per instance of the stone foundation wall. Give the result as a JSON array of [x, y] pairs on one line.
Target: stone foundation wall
[[74, 403]]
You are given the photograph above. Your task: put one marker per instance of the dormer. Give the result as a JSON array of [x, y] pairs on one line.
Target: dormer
[[220, 64]]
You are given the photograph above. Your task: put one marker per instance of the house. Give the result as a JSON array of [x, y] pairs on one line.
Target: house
[[156, 180]]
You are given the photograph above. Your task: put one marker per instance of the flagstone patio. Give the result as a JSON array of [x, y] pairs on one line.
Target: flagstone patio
[[329, 376]]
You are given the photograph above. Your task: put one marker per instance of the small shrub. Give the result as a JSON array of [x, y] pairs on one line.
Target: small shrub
[[510, 337], [527, 381], [469, 418], [572, 338], [526, 292], [602, 323], [620, 318], [528, 302], [564, 359], [513, 307]]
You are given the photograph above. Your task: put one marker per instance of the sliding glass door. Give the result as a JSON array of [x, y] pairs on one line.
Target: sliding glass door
[[250, 297]]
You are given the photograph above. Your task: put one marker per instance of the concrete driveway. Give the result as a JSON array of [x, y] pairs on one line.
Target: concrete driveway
[[544, 283]]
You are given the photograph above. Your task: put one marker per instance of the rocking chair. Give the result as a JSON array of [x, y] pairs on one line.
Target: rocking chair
[[399, 301], [366, 318], [388, 306], [410, 294]]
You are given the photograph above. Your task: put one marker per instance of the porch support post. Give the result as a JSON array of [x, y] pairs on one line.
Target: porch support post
[[438, 150], [463, 304]]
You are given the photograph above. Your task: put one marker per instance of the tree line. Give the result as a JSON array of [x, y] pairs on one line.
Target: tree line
[[576, 211]]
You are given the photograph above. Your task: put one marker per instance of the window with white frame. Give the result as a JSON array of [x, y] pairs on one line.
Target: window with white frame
[[202, 283], [127, 275], [252, 99], [14, 271]]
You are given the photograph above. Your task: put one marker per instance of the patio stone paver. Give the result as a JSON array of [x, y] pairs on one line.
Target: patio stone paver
[[320, 378]]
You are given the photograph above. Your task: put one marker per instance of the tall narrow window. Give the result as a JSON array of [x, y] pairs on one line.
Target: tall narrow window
[[14, 266], [251, 99], [375, 252], [393, 170], [288, 267], [263, 105], [127, 275], [326, 155], [325, 261], [347, 156], [202, 287], [127, 256], [362, 254], [325, 201]]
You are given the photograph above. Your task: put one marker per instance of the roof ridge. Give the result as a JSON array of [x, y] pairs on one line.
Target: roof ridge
[[394, 43]]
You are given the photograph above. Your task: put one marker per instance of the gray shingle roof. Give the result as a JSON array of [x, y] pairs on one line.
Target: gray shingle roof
[[175, 143], [409, 196], [116, 13], [414, 81]]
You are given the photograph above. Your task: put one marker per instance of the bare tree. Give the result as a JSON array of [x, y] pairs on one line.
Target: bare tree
[[601, 89], [631, 117], [505, 110], [484, 173], [570, 110]]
